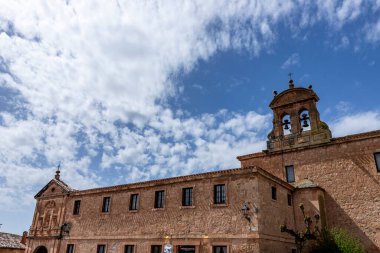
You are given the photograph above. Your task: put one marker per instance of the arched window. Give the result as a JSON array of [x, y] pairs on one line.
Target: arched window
[[304, 120], [286, 126]]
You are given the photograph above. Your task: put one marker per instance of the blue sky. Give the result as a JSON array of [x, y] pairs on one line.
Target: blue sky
[[125, 91]]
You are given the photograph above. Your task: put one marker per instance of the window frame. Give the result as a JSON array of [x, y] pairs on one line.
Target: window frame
[[220, 197], [287, 167], [129, 245], [70, 245], [156, 245], [274, 192], [289, 199], [187, 196], [106, 205], [159, 199], [219, 246], [134, 203], [99, 246], [376, 163], [76, 208]]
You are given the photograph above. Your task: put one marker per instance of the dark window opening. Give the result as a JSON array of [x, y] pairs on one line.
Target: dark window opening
[[156, 249], [219, 249], [289, 200], [290, 177], [294, 251], [133, 202], [186, 249], [274, 193], [129, 248], [106, 204], [70, 248], [377, 160], [159, 199], [101, 248], [187, 196], [76, 209]]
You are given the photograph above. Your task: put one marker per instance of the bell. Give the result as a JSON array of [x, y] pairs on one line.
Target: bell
[[286, 127], [305, 124]]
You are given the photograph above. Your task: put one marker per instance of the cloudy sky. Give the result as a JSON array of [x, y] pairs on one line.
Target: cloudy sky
[[124, 91]]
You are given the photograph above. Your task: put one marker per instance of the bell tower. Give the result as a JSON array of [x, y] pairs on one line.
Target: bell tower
[[296, 121]]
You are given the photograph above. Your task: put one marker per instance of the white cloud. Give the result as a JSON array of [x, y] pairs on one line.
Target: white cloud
[[356, 123], [87, 81], [293, 60], [373, 32], [344, 43]]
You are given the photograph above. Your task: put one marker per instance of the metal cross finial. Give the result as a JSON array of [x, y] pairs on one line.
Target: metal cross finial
[[58, 171], [290, 75]]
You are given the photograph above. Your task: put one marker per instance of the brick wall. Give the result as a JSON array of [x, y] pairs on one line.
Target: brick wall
[[345, 168]]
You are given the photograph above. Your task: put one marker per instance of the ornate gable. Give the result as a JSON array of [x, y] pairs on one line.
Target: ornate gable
[[294, 95]]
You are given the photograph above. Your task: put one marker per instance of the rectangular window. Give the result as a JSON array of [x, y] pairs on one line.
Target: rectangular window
[[294, 251], [156, 249], [159, 199], [76, 209], [219, 249], [106, 204], [129, 249], [274, 193], [133, 202], [377, 161], [187, 196], [290, 177], [219, 194], [70, 248], [101, 248], [289, 200]]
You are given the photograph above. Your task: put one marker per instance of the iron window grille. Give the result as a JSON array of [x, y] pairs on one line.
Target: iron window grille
[[290, 176], [134, 202], [187, 196], [219, 249], [219, 194], [106, 204], [70, 248], [129, 249], [159, 199], [76, 210], [101, 248]]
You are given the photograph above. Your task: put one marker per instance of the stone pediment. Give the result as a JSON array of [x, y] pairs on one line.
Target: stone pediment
[[54, 187], [294, 95]]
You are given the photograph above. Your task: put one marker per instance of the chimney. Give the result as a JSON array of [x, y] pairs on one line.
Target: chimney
[[23, 239]]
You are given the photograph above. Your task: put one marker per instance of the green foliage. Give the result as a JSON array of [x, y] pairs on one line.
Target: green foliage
[[337, 241]]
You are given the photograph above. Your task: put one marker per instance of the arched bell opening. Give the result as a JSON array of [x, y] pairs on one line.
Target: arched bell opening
[[286, 124], [304, 120], [41, 249]]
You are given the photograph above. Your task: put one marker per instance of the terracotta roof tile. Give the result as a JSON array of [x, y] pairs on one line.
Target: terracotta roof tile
[[11, 241]]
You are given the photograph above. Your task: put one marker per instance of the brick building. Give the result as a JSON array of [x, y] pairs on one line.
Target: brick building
[[235, 211], [11, 243]]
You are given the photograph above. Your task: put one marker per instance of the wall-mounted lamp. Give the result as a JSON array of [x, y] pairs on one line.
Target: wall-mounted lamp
[[245, 211]]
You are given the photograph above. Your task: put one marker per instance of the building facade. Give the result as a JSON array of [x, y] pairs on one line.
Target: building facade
[[230, 211]]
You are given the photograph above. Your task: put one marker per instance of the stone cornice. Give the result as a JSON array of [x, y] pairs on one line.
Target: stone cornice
[[252, 170], [334, 141]]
